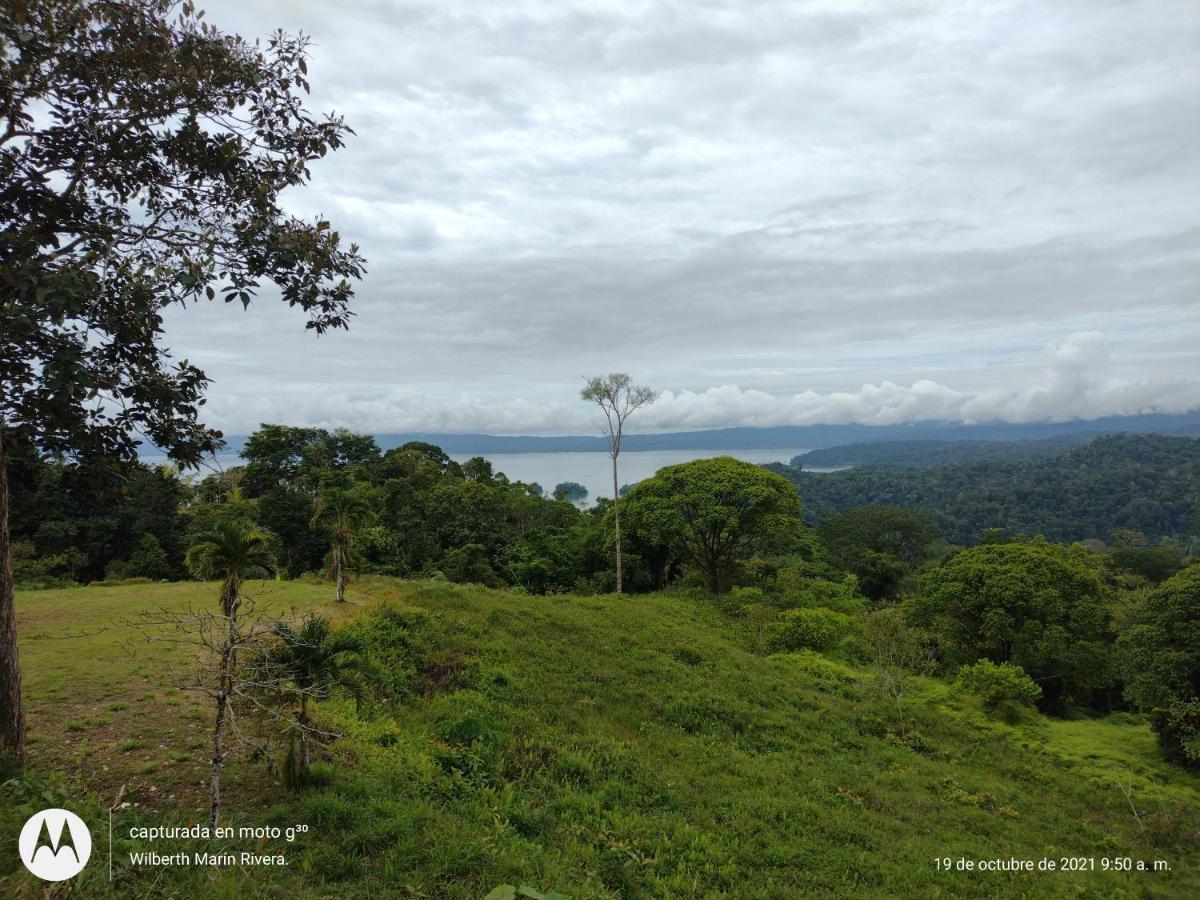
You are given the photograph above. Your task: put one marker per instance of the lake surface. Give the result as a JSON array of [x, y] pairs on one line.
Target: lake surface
[[591, 469]]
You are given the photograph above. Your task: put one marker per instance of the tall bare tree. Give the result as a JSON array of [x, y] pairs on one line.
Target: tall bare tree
[[618, 397]]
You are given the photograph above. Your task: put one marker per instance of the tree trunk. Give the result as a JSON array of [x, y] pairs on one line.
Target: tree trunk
[[230, 602], [339, 577], [12, 720], [304, 734], [617, 521], [214, 777]]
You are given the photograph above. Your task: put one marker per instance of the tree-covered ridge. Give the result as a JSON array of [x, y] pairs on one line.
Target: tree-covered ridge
[[929, 453], [1144, 483]]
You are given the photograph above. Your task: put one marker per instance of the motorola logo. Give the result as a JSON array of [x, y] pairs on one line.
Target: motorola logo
[[55, 844]]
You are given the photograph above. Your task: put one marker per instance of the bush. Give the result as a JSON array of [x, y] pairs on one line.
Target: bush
[[885, 639], [734, 603], [1178, 728], [998, 685], [806, 629], [817, 592]]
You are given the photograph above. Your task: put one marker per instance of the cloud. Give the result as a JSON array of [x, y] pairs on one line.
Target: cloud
[[780, 211], [1076, 383]]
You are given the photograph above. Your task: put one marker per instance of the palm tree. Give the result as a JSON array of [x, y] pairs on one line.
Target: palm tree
[[225, 553], [315, 659], [343, 512]]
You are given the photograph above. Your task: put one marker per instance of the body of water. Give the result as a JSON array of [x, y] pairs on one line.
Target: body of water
[[594, 470], [591, 469]]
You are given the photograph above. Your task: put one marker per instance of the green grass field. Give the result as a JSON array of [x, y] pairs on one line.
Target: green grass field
[[601, 747]]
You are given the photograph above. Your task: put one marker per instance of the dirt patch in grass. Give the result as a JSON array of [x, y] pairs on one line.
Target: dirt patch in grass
[[106, 709]]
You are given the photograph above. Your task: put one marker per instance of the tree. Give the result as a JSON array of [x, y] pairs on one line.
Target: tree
[[714, 513], [314, 659], [902, 534], [570, 490], [142, 158], [618, 398], [1159, 658], [343, 511], [1036, 605], [227, 553]]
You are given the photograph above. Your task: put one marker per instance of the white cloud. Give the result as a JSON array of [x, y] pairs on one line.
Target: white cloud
[[783, 211], [1077, 382]]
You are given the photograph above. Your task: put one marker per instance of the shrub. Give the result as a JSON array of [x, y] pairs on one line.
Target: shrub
[[735, 602], [997, 685], [818, 592], [885, 639], [806, 629], [1178, 728]]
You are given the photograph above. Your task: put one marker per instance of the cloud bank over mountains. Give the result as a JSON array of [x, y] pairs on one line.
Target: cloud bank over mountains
[[1076, 383]]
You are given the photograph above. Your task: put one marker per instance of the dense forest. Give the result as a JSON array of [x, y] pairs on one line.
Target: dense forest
[[415, 512], [930, 453], [1144, 483]]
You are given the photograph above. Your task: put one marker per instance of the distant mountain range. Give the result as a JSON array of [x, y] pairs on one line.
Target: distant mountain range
[[796, 437]]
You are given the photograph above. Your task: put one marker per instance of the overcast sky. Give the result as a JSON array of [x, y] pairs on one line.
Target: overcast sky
[[775, 213]]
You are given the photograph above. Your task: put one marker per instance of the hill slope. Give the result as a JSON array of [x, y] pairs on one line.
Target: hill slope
[[635, 747], [1148, 483], [929, 454]]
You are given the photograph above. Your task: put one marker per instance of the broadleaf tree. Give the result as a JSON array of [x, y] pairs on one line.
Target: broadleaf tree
[[714, 514], [618, 398], [143, 155]]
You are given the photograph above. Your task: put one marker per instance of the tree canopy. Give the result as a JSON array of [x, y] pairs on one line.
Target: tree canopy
[[143, 155], [1036, 605], [714, 513]]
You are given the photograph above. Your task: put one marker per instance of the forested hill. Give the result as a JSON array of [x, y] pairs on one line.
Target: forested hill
[[926, 454], [1147, 483]]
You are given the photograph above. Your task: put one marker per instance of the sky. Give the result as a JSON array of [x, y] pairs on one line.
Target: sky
[[772, 212]]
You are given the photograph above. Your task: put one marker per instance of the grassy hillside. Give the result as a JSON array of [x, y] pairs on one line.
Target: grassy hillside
[[601, 747]]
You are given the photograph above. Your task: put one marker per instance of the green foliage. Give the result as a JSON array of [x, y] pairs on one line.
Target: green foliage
[[1177, 725], [1149, 483], [396, 643], [996, 684], [1152, 563], [713, 513], [934, 453], [570, 490], [886, 639], [574, 750], [898, 533], [235, 549], [1036, 605], [149, 560], [469, 564], [879, 575], [796, 589], [314, 657], [807, 629], [1159, 657], [179, 142], [511, 892]]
